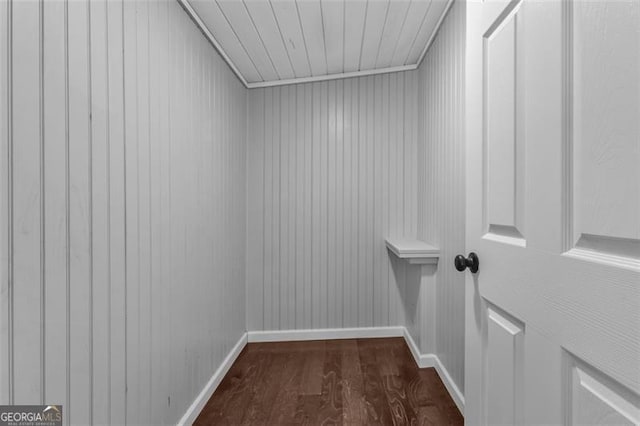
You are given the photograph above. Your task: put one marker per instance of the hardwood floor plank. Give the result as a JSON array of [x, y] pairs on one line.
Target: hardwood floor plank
[[284, 409], [353, 399], [227, 405], [313, 369], [393, 360], [307, 409], [330, 411], [376, 401], [265, 391], [350, 382]]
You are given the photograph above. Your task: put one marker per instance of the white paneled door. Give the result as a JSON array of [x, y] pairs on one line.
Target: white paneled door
[[553, 212]]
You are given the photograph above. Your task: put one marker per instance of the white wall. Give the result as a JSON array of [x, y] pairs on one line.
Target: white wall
[[122, 199], [331, 174], [441, 174]]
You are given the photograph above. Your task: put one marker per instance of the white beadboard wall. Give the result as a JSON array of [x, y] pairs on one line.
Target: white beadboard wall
[[441, 174], [332, 172], [122, 200]]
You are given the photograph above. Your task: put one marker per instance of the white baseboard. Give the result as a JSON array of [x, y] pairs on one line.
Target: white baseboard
[[432, 360], [198, 404], [325, 334], [422, 360], [451, 386]]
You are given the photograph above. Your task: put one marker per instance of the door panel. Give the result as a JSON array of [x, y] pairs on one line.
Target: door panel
[[604, 165], [503, 148], [553, 211], [505, 352], [596, 399]]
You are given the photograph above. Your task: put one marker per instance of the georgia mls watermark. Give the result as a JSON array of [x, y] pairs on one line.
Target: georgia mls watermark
[[30, 415]]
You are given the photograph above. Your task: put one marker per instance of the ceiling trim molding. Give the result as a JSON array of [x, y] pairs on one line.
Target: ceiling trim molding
[[337, 76], [435, 32], [203, 28]]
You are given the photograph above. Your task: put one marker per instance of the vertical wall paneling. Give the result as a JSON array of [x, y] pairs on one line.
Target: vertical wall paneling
[[161, 226], [100, 281], [53, 167], [27, 203], [297, 128], [117, 209], [323, 206], [441, 192], [132, 235], [332, 248], [6, 315], [255, 208], [328, 179], [123, 193], [79, 213], [138, 36]]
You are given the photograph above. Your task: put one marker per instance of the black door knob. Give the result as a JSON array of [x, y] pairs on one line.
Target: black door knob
[[472, 262]]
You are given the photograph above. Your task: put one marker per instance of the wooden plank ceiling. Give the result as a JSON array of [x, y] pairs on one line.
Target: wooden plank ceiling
[[272, 42]]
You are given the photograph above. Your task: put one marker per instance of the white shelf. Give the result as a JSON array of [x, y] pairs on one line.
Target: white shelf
[[413, 251]]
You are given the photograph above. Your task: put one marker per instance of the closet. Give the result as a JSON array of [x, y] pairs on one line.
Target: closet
[[180, 179]]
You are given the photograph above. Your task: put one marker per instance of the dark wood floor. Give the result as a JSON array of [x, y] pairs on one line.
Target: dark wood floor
[[362, 381]]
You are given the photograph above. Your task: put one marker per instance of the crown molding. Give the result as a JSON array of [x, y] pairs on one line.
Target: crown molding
[[203, 28], [435, 32], [342, 75]]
